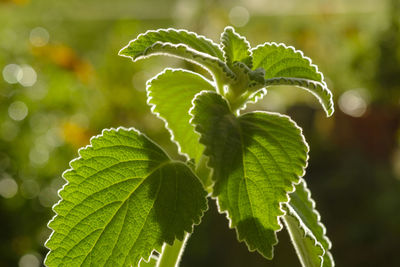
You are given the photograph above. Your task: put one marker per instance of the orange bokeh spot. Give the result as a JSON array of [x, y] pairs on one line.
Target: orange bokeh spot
[[65, 57], [75, 135]]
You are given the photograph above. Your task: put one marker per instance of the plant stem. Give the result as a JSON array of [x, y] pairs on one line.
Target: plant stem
[[171, 255], [204, 173]]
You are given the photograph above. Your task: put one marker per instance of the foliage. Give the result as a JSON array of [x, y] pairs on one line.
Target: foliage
[[125, 197]]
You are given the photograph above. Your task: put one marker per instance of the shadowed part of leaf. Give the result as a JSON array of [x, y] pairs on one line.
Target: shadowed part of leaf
[[260, 233], [256, 159], [124, 199]]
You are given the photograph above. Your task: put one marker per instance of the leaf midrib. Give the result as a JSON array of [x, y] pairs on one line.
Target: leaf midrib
[[262, 167], [147, 216], [122, 203]]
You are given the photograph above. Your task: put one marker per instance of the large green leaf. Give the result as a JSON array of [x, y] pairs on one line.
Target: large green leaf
[[302, 208], [124, 198], [286, 66], [235, 47], [137, 47], [217, 68], [256, 158], [170, 94]]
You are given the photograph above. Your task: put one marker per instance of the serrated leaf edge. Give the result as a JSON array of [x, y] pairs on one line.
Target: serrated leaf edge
[[306, 85], [168, 30], [301, 53], [253, 99], [306, 232], [145, 258], [224, 44], [209, 163], [320, 224], [213, 65], [315, 211], [153, 106]]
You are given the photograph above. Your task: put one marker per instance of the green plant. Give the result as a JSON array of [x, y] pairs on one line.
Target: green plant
[[126, 198]]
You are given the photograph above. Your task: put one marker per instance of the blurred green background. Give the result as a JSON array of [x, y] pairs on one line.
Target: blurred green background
[[62, 82]]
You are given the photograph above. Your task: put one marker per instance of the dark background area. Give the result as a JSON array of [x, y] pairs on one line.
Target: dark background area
[[62, 82]]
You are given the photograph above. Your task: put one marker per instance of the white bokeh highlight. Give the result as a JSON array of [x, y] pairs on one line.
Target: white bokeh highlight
[[239, 16], [354, 102], [39, 36], [17, 110]]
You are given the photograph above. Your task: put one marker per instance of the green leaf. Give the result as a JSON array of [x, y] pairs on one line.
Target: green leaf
[[302, 208], [286, 66], [170, 94], [138, 46], [256, 158], [235, 47], [253, 98], [217, 68], [309, 250], [151, 263], [124, 198]]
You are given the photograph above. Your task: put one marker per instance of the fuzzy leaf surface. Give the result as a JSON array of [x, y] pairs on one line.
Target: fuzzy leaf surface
[[256, 158], [235, 47], [137, 47], [284, 65], [170, 94], [216, 67], [124, 198], [302, 208]]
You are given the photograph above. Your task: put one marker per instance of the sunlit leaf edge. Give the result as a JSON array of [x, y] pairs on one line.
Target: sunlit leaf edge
[[320, 224], [217, 49], [216, 67], [330, 109], [253, 99], [282, 203], [307, 235], [224, 43], [158, 250], [153, 106]]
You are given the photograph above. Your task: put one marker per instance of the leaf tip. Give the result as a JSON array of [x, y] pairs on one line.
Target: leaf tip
[[330, 111], [124, 52], [229, 28]]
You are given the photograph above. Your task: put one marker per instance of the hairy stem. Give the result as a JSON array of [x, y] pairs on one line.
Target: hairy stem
[[219, 84], [204, 173], [171, 255]]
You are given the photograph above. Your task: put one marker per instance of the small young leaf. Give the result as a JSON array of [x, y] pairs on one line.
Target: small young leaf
[[302, 207], [235, 47], [137, 47], [253, 98], [286, 66], [124, 198], [256, 158], [170, 94]]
